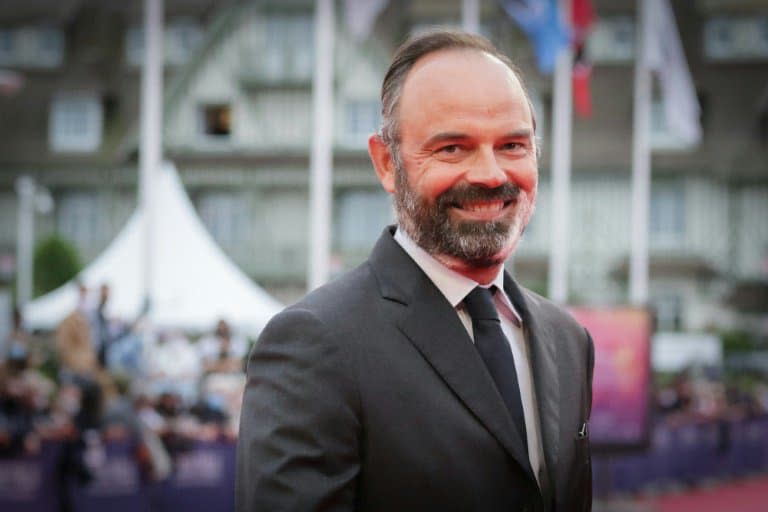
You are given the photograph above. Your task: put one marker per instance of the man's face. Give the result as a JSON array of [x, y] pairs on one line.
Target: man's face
[[466, 174]]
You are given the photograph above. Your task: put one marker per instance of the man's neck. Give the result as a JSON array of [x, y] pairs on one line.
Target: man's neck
[[481, 275]]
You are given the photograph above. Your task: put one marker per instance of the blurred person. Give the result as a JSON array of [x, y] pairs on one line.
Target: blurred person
[[427, 378], [100, 326], [127, 418], [221, 351], [221, 397], [17, 341], [173, 365], [180, 426], [83, 451], [125, 355], [760, 398], [24, 402], [75, 347]]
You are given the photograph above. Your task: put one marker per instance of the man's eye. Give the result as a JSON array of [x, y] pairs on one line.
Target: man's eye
[[449, 149], [511, 146]]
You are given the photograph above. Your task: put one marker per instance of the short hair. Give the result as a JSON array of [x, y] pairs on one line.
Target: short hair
[[413, 50]]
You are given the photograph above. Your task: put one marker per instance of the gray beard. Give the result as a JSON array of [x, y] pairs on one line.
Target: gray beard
[[432, 228]]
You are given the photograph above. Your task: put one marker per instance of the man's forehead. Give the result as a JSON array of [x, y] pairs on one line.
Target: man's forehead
[[460, 82], [463, 63]]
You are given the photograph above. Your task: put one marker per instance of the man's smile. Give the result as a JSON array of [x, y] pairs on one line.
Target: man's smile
[[482, 209]]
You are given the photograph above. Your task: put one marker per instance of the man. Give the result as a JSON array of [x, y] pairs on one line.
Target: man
[[74, 339], [379, 391]]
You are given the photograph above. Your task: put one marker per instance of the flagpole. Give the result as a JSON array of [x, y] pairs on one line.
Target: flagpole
[[25, 239], [641, 165], [562, 120], [470, 16], [321, 157], [150, 143]]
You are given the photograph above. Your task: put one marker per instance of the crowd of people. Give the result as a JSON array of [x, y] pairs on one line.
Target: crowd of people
[[691, 396], [97, 379]]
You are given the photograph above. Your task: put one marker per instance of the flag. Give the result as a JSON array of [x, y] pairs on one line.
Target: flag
[[582, 19], [541, 21], [665, 56], [582, 74], [360, 16]]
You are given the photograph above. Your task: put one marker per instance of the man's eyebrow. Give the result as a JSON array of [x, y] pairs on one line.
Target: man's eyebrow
[[519, 134], [523, 133], [444, 136]]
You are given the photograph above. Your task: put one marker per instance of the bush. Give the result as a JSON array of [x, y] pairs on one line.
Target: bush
[[56, 262]]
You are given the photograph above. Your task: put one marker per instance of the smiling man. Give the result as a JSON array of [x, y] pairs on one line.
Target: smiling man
[[427, 379]]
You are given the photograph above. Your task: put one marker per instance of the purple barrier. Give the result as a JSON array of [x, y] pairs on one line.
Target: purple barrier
[[116, 486], [28, 483], [203, 479], [662, 442], [686, 454]]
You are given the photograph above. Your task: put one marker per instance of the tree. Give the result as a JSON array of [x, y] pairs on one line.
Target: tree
[[56, 262]]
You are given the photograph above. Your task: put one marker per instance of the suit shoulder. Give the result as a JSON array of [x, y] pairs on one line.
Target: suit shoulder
[[336, 302], [551, 313]]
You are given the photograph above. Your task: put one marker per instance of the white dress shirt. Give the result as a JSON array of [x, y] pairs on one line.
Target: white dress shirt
[[455, 288]]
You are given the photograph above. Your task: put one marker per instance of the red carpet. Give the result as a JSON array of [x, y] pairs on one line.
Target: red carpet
[[744, 496]]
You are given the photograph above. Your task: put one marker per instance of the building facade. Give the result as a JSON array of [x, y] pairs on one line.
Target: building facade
[[237, 124]]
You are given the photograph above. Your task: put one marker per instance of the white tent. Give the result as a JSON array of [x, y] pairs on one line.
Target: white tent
[[194, 282]]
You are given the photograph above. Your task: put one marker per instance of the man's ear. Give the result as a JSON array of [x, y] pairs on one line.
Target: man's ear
[[382, 162]]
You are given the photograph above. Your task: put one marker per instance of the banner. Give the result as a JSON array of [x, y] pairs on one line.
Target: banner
[[621, 384]]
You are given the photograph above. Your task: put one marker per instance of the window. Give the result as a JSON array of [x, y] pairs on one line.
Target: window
[[50, 48], [8, 227], [290, 44], [75, 122], [181, 39], [361, 118], [284, 215], [226, 216], [612, 41], [736, 38], [134, 45], [7, 54], [216, 120], [79, 218], [361, 215], [284, 118], [36, 47], [667, 226], [669, 312]]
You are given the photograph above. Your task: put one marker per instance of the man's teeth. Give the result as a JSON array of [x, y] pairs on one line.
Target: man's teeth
[[491, 206]]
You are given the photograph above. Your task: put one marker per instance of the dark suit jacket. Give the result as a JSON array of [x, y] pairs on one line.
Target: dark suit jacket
[[369, 395]]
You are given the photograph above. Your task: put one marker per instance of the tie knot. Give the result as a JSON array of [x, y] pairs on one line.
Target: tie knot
[[479, 304]]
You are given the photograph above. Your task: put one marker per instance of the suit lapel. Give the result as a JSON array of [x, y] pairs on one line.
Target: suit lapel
[[542, 349], [434, 328]]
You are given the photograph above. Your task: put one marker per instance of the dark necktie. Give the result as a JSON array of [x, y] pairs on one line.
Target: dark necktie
[[496, 353]]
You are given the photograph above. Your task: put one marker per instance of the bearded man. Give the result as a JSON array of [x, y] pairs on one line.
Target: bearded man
[[427, 378]]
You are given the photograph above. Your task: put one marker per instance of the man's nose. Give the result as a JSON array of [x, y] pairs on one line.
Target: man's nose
[[485, 169]]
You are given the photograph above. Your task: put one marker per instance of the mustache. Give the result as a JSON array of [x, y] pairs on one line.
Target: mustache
[[507, 192]]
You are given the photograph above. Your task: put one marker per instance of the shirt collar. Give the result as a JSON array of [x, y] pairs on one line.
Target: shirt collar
[[451, 284]]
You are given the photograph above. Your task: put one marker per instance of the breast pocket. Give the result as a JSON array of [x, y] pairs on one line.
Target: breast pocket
[[581, 450]]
